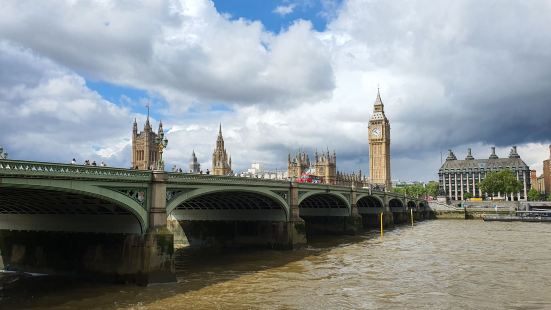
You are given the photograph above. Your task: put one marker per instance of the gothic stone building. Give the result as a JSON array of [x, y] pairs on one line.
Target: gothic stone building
[[145, 150], [379, 146], [298, 165], [458, 177], [194, 166], [221, 163], [325, 166]]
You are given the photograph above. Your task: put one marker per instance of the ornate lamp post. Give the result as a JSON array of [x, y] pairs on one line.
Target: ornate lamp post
[[161, 141], [3, 155]]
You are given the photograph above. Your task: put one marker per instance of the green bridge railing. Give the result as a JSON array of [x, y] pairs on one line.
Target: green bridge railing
[[41, 169]]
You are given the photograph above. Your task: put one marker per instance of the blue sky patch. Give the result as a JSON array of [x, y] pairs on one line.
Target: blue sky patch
[[276, 15], [133, 98]]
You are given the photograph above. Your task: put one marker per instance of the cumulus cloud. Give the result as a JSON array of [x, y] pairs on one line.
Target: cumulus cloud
[[284, 9], [48, 113], [182, 50], [459, 75]]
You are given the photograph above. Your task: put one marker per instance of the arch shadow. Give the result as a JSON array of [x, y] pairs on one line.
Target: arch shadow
[[49, 208], [229, 205]]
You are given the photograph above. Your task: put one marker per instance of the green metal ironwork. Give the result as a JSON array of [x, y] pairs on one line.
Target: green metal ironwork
[[53, 170]]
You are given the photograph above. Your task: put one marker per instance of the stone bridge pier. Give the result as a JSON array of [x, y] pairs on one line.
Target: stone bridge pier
[[328, 211], [100, 230]]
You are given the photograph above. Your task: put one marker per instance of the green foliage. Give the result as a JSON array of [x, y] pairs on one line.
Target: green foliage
[[533, 195], [432, 188], [503, 181], [549, 197], [467, 195], [414, 190], [400, 190]]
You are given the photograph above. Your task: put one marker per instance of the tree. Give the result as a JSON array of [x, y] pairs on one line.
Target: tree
[[503, 181], [432, 188], [467, 196], [549, 197], [533, 195], [414, 190]]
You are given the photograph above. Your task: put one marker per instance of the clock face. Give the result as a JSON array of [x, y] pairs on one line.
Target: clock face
[[376, 132]]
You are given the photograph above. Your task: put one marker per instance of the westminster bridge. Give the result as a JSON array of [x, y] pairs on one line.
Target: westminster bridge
[[112, 222]]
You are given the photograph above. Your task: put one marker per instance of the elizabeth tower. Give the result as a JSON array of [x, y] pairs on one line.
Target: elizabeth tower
[[379, 146]]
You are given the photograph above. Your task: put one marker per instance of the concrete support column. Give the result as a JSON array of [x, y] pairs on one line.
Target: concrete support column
[[479, 190], [443, 183], [450, 185], [467, 183], [157, 210], [474, 188], [156, 248], [296, 227], [455, 185], [524, 177], [461, 184], [354, 207]]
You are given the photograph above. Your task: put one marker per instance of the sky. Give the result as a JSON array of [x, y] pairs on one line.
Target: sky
[[279, 75]]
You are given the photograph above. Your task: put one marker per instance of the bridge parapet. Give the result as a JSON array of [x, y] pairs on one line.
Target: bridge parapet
[[14, 168], [223, 180]]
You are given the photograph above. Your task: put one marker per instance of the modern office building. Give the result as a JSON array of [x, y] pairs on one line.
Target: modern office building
[[458, 177]]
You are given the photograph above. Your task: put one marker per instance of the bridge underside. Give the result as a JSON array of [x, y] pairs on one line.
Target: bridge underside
[[370, 208], [235, 219], [328, 214], [47, 210], [51, 231], [230, 206]]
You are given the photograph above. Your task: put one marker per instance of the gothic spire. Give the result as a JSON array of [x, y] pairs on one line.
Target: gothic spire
[[147, 125], [378, 101], [160, 127]]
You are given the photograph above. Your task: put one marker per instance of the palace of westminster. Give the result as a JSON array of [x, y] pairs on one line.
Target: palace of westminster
[[456, 177], [146, 153]]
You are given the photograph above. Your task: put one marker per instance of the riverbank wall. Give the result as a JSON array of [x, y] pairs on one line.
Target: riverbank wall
[[474, 210]]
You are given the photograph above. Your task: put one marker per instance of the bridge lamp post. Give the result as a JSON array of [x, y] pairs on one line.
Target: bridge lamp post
[[3, 155], [161, 141]]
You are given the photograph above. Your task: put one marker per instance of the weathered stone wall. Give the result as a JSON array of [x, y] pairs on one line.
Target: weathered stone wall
[[336, 225], [180, 238], [142, 259], [240, 234]]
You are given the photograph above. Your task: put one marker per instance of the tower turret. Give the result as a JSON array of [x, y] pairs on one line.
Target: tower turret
[[379, 145], [469, 155], [220, 163], [493, 154]]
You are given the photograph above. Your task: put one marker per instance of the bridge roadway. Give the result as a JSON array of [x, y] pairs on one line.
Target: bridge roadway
[[112, 222]]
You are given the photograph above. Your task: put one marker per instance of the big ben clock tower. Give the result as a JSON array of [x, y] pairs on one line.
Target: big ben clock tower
[[379, 146]]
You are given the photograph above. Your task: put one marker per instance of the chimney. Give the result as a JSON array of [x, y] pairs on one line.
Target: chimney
[[469, 155], [513, 153], [493, 155]]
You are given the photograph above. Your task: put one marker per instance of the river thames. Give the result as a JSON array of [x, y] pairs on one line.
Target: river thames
[[440, 264]]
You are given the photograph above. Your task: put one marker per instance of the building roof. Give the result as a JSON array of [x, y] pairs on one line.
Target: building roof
[[487, 164]]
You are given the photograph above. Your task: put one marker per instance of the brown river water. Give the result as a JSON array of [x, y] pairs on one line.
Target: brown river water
[[441, 264]]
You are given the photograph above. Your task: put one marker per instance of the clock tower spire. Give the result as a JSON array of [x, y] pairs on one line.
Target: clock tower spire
[[379, 145]]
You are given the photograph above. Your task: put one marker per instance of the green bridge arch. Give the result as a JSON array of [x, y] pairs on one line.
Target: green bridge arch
[[204, 191], [85, 189]]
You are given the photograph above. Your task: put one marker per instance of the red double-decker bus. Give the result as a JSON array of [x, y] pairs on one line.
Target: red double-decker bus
[[308, 178]]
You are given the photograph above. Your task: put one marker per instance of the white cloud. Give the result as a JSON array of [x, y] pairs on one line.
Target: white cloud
[[184, 50], [50, 114], [284, 9], [451, 76]]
